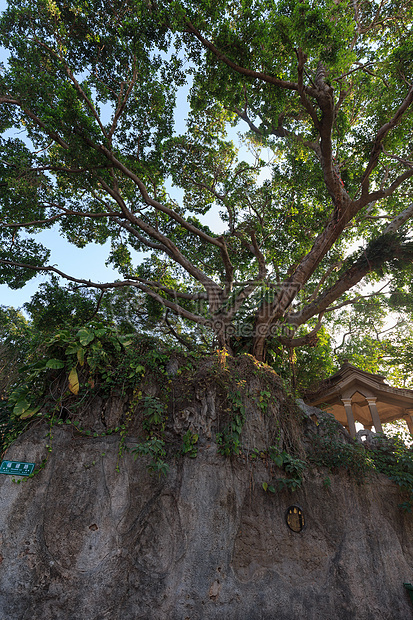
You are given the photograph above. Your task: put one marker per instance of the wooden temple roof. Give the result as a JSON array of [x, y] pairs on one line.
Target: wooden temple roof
[[358, 385]]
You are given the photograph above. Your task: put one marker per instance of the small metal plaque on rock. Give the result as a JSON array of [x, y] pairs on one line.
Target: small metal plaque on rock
[[16, 468], [295, 519]]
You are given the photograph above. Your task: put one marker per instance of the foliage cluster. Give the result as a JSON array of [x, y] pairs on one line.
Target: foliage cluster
[[154, 421], [293, 466], [229, 440], [90, 147], [60, 374], [57, 376], [331, 450], [387, 455], [393, 458]]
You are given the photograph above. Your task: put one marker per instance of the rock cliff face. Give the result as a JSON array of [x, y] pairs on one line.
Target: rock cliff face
[[81, 541]]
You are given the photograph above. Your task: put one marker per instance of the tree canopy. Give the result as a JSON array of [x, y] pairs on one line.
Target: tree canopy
[[321, 96]]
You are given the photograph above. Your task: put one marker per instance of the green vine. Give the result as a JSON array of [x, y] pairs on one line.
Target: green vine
[[331, 451], [154, 422], [154, 448], [189, 444], [394, 459], [137, 395], [229, 440], [70, 369], [292, 465]]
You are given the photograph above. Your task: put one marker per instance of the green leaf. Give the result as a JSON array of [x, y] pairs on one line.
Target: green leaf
[[265, 486], [20, 407], [278, 460], [74, 382], [72, 349], [55, 364], [81, 356], [85, 335], [29, 413]]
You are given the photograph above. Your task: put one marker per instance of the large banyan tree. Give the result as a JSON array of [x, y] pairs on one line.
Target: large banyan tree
[[298, 134]]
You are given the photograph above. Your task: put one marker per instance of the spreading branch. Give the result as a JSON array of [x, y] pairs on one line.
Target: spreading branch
[[105, 286], [379, 139], [270, 79]]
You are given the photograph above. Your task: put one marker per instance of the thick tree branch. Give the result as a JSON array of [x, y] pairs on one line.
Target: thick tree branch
[[53, 218], [123, 101], [36, 120], [76, 84], [309, 339], [362, 266], [176, 308], [146, 242], [271, 312], [145, 195], [380, 136], [325, 101], [305, 102], [279, 131], [249, 287], [242, 70], [229, 270], [169, 247], [262, 267], [399, 220], [381, 193], [179, 338], [170, 291], [49, 220]]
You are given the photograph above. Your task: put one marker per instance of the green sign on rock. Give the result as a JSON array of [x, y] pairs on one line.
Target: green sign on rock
[[17, 468]]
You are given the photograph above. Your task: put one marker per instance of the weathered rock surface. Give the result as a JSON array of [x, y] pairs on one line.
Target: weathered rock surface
[[81, 541]]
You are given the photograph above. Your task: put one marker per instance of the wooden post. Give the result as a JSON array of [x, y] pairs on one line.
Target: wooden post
[[375, 414], [409, 420], [350, 417]]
